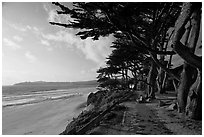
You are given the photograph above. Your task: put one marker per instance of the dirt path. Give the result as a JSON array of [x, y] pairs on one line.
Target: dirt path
[[146, 119], [141, 119]]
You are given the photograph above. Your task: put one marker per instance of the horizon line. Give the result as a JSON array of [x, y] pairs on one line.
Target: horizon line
[[46, 81]]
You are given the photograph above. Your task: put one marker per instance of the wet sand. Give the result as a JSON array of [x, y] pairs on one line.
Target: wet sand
[[44, 118]]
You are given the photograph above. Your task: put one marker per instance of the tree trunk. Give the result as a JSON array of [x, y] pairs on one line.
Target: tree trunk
[[190, 12], [160, 80], [152, 80], [183, 51], [165, 74], [185, 83], [161, 76], [194, 103]]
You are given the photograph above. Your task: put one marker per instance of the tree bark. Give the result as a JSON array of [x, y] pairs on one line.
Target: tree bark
[[168, 71], [161, 76], [151, 79], [185, 83], [183, 51], [187, 53], [165, 74], [194, 102], [190, 58]]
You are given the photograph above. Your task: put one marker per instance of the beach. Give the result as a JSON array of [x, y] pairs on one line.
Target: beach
[[48, 117]]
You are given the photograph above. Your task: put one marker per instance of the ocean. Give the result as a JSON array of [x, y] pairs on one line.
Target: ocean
[[24, 95], [41, 111]]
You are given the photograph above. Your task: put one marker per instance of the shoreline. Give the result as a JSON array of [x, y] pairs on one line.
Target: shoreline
[[31, 101], [43, 118]]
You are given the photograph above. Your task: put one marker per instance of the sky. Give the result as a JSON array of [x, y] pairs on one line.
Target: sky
[[34, 50]]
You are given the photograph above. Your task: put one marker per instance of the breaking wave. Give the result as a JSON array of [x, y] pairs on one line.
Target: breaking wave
[[37, 97]]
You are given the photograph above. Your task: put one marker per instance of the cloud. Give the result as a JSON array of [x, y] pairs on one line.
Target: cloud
[[11, 44], [45, 42], [17, 38], [30, 57], [35, 28], [63, 36], [53, 16], [47, 45], [28, 27], [24, 28], [90, 51], [95, 51], [46, 7], [19, 28]]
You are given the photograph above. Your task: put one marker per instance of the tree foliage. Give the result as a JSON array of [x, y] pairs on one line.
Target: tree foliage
[[141, 47]]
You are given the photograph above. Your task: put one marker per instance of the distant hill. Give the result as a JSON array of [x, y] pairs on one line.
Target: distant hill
[[28, 87], [41, 83]]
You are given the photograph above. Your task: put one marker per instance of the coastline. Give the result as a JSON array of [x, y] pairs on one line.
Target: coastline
[[48, 117]]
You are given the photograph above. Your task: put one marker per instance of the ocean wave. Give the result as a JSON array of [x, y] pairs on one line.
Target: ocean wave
[[34, 94], [36, 99]]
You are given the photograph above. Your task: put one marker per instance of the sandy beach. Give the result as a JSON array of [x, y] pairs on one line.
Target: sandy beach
[[44, 118]]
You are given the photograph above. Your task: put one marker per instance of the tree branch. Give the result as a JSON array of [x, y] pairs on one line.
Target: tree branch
[[181, 22], [178, 47], [145, 82], [145, 46], [185, 53], [60, 24], [164, 67]]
